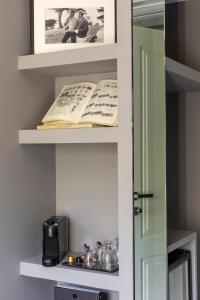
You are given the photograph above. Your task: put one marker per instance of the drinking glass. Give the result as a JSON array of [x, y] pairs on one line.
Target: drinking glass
[[115, 252], [98, 253], [107, 255]]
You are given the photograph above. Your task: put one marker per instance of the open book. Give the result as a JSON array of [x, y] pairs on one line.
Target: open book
[[83, 105]]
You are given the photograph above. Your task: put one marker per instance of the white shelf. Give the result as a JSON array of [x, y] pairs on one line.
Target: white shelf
[[179, 238], [174, 1], [167, 1], [69, 136], [97, 59], [100, 280], [180, 78]]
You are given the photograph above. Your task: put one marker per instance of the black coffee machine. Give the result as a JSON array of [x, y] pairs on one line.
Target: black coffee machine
[[55, 240]]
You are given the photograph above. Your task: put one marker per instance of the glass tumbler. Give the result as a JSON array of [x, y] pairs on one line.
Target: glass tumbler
[[107, 255]]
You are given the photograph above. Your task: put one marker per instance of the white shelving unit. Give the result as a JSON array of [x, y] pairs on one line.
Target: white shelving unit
[[180, 239], [84, 155], [33, 268]]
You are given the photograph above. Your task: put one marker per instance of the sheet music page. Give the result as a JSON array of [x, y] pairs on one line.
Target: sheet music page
[[70, 103], [103, 105]]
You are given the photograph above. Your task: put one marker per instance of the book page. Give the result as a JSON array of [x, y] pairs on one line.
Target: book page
[[103, 105], [70, 103]]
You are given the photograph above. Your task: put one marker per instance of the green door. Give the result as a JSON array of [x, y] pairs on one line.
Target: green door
[[150, 165]]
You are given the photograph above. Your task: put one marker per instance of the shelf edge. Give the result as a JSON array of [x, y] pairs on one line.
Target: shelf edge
[[66, 275], [69, 136], [68, 57], [183, 238]]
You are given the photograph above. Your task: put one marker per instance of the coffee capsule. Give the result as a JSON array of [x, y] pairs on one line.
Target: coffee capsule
[[79, 260], [70, 259]]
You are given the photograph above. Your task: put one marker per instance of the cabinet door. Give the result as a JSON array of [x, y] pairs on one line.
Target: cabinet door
[[150, 165]]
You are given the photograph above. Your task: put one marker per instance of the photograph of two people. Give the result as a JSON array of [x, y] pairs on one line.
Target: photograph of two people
[[74, 25]]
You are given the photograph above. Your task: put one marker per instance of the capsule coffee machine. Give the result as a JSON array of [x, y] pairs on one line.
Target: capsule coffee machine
[[55, 240]]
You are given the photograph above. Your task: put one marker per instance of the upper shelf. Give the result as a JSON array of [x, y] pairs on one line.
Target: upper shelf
[[96, 59], [33, 268], [180, 78]]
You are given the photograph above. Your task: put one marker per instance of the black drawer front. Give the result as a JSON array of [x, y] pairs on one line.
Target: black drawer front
[[71, 294]]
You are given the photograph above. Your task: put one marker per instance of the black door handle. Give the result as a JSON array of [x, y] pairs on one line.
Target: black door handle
[[137, 196]]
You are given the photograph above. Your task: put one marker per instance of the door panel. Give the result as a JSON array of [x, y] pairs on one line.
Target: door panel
[[154, 278], [150, 164]]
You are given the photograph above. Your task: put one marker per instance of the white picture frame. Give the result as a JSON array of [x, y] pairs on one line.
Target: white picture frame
[[49, 40]]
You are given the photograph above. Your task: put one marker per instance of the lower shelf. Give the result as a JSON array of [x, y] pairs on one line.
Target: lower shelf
[[33, 268], [179, 238]]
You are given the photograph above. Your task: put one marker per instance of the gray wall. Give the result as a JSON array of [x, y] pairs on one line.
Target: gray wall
[[189, 124], [85, 195], [189, 34], [189, 165], [183, 120], [172, 110], [27, 173]]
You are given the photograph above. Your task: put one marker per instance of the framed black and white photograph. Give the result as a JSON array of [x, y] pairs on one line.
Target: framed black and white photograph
[[69, 24]]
